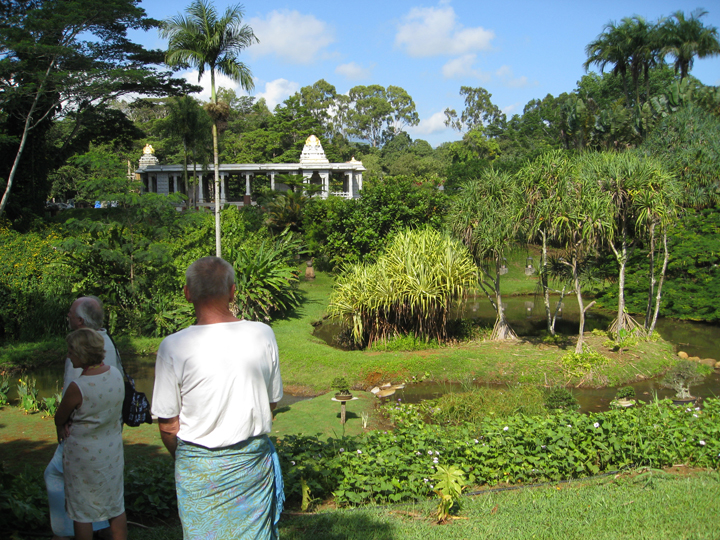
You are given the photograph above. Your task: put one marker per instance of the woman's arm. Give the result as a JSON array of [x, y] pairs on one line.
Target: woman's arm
[[71, 401]]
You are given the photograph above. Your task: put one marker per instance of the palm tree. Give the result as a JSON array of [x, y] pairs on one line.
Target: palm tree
[[188, 122], [614, 47], [687, 38], [202, 39]]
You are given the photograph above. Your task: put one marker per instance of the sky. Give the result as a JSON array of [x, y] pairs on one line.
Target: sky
[[517, 50]]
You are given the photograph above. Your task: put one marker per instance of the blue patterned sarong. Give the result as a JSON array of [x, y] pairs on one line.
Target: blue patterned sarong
[[229, 493]]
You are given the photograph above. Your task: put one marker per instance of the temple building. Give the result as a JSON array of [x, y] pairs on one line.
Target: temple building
[[235, 179]]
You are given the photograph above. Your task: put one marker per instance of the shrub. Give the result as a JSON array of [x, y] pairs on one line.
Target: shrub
[[561, 399], [626, 392], [681, 377], [150, 489], [23, 502]]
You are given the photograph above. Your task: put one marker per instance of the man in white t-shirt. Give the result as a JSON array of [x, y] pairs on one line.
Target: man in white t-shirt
[[85, 312], [216, 385]]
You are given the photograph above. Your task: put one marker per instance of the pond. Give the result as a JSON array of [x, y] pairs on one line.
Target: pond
[[526, 315]]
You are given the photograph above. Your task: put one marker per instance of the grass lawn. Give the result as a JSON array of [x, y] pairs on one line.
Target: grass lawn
[[309, 365], [650, 505]]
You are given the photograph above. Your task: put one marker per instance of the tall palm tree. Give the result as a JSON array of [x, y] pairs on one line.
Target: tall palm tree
[[687, 38], [614, 47], [202, 39], [187, 121]]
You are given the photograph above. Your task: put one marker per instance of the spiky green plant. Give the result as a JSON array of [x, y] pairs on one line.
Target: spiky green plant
[[409, 290]]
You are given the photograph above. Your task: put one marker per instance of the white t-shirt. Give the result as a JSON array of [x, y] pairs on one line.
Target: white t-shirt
[[110, 359], [220, 380]]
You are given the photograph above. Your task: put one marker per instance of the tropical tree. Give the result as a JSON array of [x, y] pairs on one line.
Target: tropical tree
[[479, 111], [613, 46], [485, 215], [187, 121], [410, 290], [203, 39], [583, 222], [545, 185], [63, 59], [686, 38]]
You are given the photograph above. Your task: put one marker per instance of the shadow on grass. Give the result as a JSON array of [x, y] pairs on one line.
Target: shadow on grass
[[335, 526], [17, 454]]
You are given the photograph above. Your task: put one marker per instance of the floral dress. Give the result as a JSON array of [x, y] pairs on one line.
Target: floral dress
[[93, 455]]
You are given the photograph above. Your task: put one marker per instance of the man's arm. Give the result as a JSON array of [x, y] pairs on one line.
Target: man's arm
[[169, 428]]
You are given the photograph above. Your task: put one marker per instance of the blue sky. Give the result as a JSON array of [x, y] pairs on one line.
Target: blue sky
[[517, 50]]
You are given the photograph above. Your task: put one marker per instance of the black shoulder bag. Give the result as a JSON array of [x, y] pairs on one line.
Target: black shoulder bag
[[136, 407]]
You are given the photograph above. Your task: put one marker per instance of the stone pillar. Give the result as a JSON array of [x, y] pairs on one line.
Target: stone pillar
[[175, 184], [326, 184], [201, 198], [272, 181], [247, 200], [350, 185], [359, 178], [223, 179]]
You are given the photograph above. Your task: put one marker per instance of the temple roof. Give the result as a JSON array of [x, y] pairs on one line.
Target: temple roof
[[313, 152]]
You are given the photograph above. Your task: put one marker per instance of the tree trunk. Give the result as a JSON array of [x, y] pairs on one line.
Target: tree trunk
[[621, 257], [185, 172], [648, 310], [502, 329], [581, 308], [544, 282], [216, 161], [26, 129], [666, 257]]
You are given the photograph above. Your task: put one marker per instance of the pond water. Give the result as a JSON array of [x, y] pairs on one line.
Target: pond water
[[526, 316]]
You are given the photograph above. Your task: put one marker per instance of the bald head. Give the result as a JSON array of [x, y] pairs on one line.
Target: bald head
[[86, 312]]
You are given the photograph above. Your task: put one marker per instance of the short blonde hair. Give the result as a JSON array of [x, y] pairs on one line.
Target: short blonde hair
[[88, 345]]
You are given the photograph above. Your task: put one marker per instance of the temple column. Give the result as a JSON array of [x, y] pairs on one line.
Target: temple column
[[201, 198], [223, 179], [247, 200], [175, 184], [350, 181], [359, 177], [272, 181], [326, 185]]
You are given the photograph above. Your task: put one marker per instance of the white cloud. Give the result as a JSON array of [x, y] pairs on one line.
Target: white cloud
[[436, 31], [506, 76], [511, 109], [220, 81], [463, 67], [353, 71], [290, 35], [434, 124], [278, 91]]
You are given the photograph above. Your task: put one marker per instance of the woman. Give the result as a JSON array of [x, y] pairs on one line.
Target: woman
[[89, 420]]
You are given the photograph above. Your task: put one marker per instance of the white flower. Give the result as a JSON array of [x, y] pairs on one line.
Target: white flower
[[418, 453], [359, 451], [688, 409], [430, 452], [505, 428], [292, 462], [435, 460], [702, 443], [476, 441], [695, 415], [431, 486], [342, 450], [596, 424], [569, 426], [437, 453], [543, 446], [697, 408], [425, 480]]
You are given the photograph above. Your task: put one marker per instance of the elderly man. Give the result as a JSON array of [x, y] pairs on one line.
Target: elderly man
[[85, 312], [216, 384]]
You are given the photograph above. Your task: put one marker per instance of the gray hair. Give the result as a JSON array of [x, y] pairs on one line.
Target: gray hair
[[91, 311], [209, 277]]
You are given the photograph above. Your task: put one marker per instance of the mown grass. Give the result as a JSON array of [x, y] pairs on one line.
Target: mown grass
[[652, 505]]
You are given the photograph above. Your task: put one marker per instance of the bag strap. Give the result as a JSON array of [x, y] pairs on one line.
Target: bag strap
[[119, 362]]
